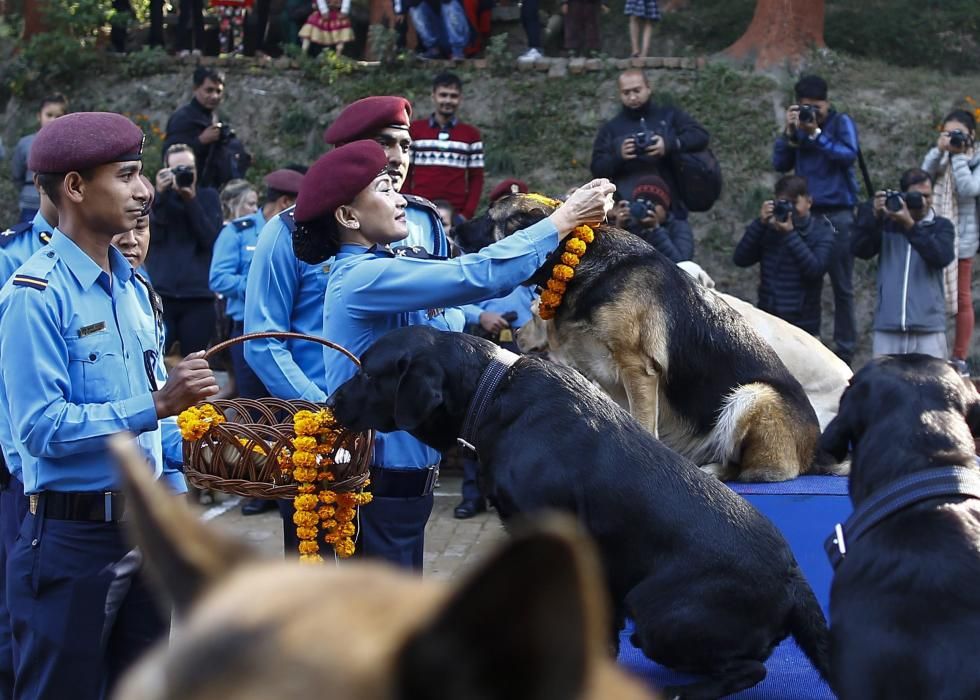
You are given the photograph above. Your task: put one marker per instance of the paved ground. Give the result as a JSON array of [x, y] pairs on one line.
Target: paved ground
[[451, 545]]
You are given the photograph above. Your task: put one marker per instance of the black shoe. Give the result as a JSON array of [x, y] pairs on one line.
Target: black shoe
[[255, 506], [467, 509]]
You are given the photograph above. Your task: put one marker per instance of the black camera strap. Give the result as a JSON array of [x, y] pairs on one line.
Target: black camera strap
[[865, 174]]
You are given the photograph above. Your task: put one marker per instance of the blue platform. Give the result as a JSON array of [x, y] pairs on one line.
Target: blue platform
[[805, 510]]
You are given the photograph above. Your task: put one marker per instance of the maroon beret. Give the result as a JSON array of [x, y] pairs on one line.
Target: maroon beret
[[337, 177], [365, 118], [654, 189], [84, 140], [509, 186], [285, 180]]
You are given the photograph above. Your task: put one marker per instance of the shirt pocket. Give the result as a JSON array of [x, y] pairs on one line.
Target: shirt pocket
[[149, 355], [95, 368]]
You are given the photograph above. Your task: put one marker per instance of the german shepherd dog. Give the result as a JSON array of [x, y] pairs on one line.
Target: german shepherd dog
[[711, 584], [528, 625], [694, 372], [905, 605]]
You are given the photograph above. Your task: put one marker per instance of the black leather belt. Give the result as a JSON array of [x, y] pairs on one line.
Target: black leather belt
[[83, 506], [403, 483]]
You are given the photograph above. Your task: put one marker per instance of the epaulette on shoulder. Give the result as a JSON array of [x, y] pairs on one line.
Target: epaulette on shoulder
[[7, 236], [244, 223], [421, 202], [288, 220], [34, 273]]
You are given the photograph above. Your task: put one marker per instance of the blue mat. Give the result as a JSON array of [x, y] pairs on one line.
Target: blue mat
[[805, 510]]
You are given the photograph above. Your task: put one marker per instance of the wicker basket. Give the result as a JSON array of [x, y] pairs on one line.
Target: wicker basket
[[240, 456]]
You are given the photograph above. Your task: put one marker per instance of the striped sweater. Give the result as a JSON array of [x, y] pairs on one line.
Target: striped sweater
[[446, 164]]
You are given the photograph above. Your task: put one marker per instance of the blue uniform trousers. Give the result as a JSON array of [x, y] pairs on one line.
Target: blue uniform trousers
[[13, 510], [393, 529], [290, 542], [247, 383], [471, 481], [76, 625]]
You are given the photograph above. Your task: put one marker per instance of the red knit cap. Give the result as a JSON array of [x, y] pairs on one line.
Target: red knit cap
[[509, 186], [84, 140], [365, 118], [654, 189], [285, 180], [337, 177]]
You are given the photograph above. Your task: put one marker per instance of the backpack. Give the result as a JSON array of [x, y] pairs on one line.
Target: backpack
[[698, 178]]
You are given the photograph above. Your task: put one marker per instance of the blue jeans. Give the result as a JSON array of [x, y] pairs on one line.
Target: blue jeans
[[444, 29]]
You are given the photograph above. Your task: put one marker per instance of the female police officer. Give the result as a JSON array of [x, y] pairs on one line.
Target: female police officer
[[347, 207]]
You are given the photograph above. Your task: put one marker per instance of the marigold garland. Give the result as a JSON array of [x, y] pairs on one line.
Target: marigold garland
[[562, 273], [196, 421]]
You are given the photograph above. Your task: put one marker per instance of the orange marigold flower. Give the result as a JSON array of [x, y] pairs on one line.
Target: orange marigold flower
[[310, 559], [575, 246], [306, 533], [309, 547], [550, 298], [346, 514], [570, 259], [585, 233], [346, 500], [305, 518], [344, 548], [304, 474], [305, 443], [364, 497], [325, 476], [304, 502], [329, 524], [332, 538], [546, 312], [557, 286], [304, 459], [328, 497], [326, 512], [306, 488], [562, 273], [347, 529]]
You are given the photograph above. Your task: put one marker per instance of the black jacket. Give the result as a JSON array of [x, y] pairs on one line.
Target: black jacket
[[184, 233], [792, 268], [674, 239], [679, 131], [217, 162]]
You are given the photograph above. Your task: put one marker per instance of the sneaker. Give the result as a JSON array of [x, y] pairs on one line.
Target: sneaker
[[960, 366], [530, 56]]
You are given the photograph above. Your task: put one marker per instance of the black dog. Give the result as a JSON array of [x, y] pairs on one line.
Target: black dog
[[905, 604], [711, 583]]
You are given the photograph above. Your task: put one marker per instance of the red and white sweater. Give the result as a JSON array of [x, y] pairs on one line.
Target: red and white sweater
[[446, 164]]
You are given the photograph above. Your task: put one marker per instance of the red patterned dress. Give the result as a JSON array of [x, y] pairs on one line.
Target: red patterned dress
[[329, 24]]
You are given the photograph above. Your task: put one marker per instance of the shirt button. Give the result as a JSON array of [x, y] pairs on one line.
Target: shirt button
[[92, 357], [50, 253]]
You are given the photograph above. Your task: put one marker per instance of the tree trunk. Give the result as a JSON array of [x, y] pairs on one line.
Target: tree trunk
[[781, 32], [34, 20]]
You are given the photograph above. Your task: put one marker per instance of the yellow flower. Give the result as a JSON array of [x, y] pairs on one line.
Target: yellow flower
[[305, 518], [364, 497], [325, 476], [305, 502], [329, 524], [585, 233], [331, 538], [255, 448], [346, 514], [309, 547], [326, 512], [310, 559], [304, 459], [302, 475], [344, 548], [575, 246], [346, 500], [562, 273], [305, 443], [546, 312], [306, 533], [347, 529], [328, 497], [541, 199], [195, 421], [550, 298], [557, 286], [306, 488]]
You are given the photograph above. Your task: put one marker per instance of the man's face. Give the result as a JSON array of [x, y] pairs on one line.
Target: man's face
[[925, 189], [50, 112], [115, 197], [396, 143], [182, 158], [135, 243], [446, 99], [209, 93], [633, 90], [822, 107], [802, 205]]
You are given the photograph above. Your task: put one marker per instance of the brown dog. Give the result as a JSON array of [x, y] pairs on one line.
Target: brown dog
[[685, 364], [530, 624]]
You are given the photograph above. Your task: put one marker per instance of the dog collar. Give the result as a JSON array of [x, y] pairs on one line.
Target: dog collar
[[492, 375], [905, 492]]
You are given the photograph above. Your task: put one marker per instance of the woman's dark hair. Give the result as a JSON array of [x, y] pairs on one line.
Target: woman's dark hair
[[317, 240], [963, 117]]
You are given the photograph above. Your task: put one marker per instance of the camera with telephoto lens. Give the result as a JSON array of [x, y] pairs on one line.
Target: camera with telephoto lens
[[782, 209], [640, 209], [893, 200], [183, 175], [958, 139], [808, 114]]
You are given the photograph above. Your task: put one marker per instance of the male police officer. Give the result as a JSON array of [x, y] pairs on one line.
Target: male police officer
[[72, 372]]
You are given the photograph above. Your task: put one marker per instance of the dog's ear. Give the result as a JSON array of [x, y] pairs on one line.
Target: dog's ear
[[475, 234], [183, 555], [526, 626], [419, 390]]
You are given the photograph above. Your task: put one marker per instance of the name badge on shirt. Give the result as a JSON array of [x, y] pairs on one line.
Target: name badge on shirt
[[89, 330], [250, 248]]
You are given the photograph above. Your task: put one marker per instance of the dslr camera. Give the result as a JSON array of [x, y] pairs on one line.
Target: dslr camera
[[782, 209], [643, 138], [183, 175], [808, 114], [958, 139], [639, 210], [225, 133], [894, 198]]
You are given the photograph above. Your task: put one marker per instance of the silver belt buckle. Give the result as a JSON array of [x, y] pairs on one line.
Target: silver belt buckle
[[108, 506], [431, 479]]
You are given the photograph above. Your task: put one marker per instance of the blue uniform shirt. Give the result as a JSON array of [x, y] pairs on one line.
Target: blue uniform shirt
[[284, 293], [370, 292], [20, 242], [230, 260], [424, 226], [72, 372], [518, 301]]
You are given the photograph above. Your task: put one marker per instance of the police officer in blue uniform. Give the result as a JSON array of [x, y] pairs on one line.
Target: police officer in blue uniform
[[348, 208], [231, 259], [73, 338]]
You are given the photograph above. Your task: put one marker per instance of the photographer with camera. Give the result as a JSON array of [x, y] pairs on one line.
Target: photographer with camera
[[913, 246], [793, 247], [641, 138], [220, 155], [186, 219], [953, 164], [821, 144], [648, 216]]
